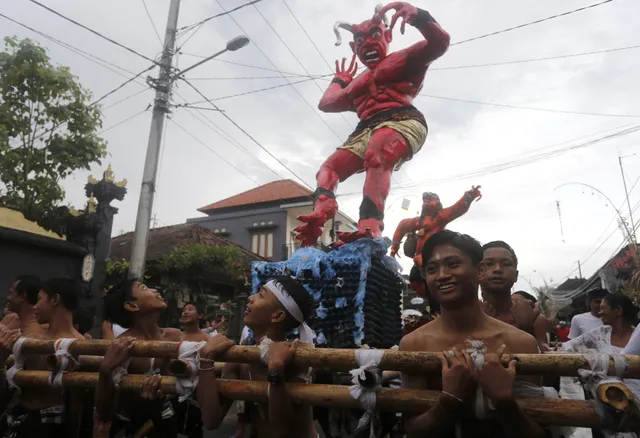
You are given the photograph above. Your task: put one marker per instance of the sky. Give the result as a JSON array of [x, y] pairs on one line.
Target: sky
[[528, 161]]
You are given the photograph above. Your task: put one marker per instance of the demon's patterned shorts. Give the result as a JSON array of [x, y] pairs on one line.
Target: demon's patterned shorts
[[414, 131]]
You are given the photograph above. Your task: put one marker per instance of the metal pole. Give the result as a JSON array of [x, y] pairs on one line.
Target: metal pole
[[626, 192], [147, 192], [580, 269]]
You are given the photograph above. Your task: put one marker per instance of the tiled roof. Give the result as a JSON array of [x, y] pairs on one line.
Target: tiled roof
[[273, 191], [163, 241], [572, 284]]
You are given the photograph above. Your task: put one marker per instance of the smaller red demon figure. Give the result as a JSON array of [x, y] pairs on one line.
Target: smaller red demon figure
[[433, 218], [390, 131]]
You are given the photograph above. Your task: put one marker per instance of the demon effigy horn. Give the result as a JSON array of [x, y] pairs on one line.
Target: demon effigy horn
[[341, 25], [377, 17]]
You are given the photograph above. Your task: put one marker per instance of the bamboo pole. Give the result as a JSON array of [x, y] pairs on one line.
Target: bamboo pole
[[87, 363], [541, 410], [345, 359], [182, 368]]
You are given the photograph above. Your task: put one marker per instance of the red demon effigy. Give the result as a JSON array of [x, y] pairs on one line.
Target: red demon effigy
[[390, 131]]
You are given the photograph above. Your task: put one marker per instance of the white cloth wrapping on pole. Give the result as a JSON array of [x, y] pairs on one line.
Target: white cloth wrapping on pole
[[18, 363], [61, 347], [368, 361], [118, 374], [189, 352]]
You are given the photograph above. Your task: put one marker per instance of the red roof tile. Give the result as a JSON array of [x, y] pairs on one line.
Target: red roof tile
[[273, 191]]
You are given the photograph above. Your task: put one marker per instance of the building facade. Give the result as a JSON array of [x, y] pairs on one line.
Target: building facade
[[263, 220]]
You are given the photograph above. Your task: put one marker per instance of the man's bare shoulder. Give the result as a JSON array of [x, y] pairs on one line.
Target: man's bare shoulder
[[11, 321], [172, 334], [517, 341], [420, 338]]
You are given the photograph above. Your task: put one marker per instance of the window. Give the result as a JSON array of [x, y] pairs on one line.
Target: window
[[262, 244]]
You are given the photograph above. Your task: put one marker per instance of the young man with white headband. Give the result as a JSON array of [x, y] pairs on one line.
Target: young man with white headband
[[280, 306]]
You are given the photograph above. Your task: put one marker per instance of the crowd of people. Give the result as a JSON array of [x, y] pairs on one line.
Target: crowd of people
[[456, 269]]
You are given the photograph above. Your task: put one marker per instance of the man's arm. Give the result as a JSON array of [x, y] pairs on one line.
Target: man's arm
[[457, 380], [213, 407], [497, 382], [284, 415], [11, 321], [106, 395]]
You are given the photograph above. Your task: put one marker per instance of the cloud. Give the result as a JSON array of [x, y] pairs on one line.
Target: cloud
[[519, 204]]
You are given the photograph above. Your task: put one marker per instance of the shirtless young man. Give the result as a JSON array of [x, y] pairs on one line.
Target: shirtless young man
[[48, 412], [453, 268], [10, 319], [23, 295], [190, 322], [501, 274], [279, 307], [136, 307]]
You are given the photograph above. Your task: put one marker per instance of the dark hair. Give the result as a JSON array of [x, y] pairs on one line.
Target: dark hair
[[83, 319], [199, 309], [300, 295], [68, 290], [29, 286], [526, 295], [597, 293], [501, 244], [629, 310], [465, 243], [114, 301]]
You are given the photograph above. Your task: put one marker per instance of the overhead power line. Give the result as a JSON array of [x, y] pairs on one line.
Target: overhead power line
[[153, 25], [122, 85], [122, 122], [520, 26], [529, 108], [213, 151], [112, 41], [226, 12], [533, 156], [255, 44], [546, 58], [89, 56], [234, 123]]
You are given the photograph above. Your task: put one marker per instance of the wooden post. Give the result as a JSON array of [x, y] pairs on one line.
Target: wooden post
[[544, 411], [344, 359]]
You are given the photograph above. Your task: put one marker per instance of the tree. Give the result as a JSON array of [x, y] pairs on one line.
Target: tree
[[48, 130]]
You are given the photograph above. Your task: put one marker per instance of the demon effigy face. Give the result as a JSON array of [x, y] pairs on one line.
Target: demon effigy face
[[431, 204], [371, 39]]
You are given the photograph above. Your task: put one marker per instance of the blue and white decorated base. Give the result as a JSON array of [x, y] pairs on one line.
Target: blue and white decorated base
[[357, 290]]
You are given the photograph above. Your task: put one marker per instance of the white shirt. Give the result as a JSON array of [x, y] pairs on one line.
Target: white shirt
[[117, 330], [583, 323], [245, 334]]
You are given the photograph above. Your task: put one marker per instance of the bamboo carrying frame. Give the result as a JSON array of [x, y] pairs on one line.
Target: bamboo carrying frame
[[560, 412]]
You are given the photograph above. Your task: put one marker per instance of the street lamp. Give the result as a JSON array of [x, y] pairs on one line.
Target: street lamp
[[236, 43], [623, 222], [160, 109]]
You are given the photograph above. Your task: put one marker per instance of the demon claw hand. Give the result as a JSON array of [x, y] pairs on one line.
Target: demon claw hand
[[474, 193], [344, 74], [405, 10]]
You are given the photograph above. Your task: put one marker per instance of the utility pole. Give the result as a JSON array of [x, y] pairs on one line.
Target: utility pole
[[626, 192], [580, 269], [160, 108]]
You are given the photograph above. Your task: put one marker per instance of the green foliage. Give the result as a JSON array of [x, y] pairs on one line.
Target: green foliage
[[198, 256], [47, 130], [117, 268]]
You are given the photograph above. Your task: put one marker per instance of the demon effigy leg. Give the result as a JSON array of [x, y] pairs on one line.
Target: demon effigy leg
[[338, 167], [386, 148]]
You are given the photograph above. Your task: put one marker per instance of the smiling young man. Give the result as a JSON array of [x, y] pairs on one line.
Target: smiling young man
[[190, 322], [46, 411], [136, 307], [279, 307], [453, 268]]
